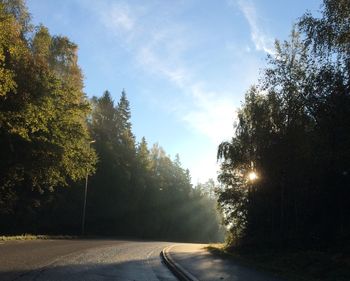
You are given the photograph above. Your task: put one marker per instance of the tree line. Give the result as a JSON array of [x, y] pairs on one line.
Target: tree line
[[293, 131], [52, 136]]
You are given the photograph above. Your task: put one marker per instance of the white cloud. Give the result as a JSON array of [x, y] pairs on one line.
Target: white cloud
[[213, 114], [210, 113], [118, 17], [261, 40], [148, 59]]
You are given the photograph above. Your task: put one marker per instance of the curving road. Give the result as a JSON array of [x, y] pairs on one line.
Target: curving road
[[72, 260], [92, 259]]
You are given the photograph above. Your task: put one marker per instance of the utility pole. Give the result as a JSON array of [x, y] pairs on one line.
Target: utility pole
[[85, 195]]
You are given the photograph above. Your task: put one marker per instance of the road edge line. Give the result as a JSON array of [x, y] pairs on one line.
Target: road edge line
[[181, 273]]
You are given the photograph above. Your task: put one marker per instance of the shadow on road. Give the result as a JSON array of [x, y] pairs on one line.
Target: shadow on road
[[208, 267], [136, 270]]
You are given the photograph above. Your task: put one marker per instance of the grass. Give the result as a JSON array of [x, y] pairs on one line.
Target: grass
[[292, 265], [27, 236]]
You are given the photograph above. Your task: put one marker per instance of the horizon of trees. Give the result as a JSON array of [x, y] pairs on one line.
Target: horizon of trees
[[47, 124], [293, 130]]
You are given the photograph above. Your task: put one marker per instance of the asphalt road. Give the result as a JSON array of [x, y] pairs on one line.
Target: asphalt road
[[204, 266], [72, 260]]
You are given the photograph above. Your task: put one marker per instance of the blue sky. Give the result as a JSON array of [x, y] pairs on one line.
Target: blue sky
[[185, 64]]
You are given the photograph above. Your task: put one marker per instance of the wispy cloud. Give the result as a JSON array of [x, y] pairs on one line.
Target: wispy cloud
[[210, 113], [148, 59], [156, 45], [118, 17], [261, 40]]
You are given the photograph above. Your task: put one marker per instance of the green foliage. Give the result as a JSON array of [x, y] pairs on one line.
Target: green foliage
[[43, 132], [18, 10], [293, 129]]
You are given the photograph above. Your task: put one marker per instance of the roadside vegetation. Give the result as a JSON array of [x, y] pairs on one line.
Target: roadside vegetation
[[27, 236], [293, 265], [52, 136], [285, 175]]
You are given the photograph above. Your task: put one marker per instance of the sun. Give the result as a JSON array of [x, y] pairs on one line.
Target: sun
[[252, 176]]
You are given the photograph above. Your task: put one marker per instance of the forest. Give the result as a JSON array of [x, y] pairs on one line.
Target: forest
[[285, 174], [53, 138]]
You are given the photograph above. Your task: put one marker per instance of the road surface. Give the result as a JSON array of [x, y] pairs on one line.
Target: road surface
[[204, 266], [107, 260], [72, 260]]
